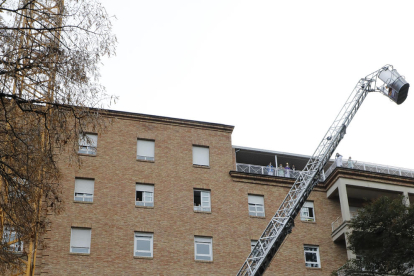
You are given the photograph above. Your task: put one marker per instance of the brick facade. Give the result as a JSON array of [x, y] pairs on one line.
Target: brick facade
[[113, 217]]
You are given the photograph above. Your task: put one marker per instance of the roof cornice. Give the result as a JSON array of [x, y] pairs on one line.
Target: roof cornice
[[167, 120]]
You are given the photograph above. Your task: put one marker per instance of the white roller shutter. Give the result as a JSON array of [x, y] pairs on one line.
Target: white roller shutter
[[80, 237], [84, 186], [145, 188], [308, 204], [145, 148], [254, 199], [201, 156], [202, 239]]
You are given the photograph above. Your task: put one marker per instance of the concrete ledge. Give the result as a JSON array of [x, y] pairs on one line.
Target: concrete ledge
[[84, 154], [202, 261], [144, 207], [146, 161], [79, 254], [257, 217], [82, 202], [202, 212], [201, 166], [142, 257]]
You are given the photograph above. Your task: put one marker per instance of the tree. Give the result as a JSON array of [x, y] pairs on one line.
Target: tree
[[382, 238], [50, 53]]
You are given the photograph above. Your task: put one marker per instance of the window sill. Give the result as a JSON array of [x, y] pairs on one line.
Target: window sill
[[85, 154], [146, 161], [79, 254], [202, 212], [141, 257], [145, 207], [257, 217], [308, 221], [201, 166], [313, 268], [203, 261], [82, 202], [18, 253]]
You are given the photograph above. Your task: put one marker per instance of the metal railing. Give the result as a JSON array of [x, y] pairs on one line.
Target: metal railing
[[358, 165], [265, 170], [339, 221], [336, 223]]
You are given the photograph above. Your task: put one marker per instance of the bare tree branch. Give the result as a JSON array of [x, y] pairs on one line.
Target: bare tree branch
[[50, 53]]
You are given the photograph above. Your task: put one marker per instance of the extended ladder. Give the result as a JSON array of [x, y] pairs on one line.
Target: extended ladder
[[394, 87]]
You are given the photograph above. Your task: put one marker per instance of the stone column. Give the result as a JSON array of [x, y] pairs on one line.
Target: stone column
[[343, 198], [346, 214], [407, 199]]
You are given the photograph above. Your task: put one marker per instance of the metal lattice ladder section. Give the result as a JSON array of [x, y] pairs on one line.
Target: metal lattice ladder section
[[283, 221]]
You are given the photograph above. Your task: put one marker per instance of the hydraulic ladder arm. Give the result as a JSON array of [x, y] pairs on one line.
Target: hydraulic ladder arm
[[396, 88]]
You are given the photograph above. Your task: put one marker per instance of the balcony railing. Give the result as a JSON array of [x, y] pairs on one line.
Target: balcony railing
[[282, 172], [358, 165], [338, 222]]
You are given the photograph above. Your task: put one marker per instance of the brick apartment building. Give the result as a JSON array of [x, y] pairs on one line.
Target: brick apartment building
[[165, 196]]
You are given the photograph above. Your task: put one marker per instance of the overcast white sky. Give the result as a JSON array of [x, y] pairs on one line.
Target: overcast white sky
[[279, 71]]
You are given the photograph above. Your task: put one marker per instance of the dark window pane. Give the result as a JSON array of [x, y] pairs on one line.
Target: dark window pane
[[138, 196], [310, 257], [143, 254], [203, 249], [197, 198], [143, 245], [311, 212], [204, 258]]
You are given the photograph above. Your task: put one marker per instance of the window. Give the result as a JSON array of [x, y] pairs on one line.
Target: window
[[143, 244], [145, 150], [144, 195], [354, 211], [201, 156], [203, 248], [18, 188], [13, 240], [202, 201], [312, 256], [84, 190], [88, 143], [256, 206], [307, 212], [80, 240], [253, 244]]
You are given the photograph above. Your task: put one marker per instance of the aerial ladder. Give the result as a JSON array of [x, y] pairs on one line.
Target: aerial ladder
[[386, 81]]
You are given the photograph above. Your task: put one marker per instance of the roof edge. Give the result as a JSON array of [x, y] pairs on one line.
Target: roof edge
[[169, 120]]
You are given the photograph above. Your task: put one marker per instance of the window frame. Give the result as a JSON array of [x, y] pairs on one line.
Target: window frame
[[82, 196], [87, 148], [145, 193], [16, 246], [71, 241], [253, 207], [196, 158], [146, 237], [253, 244], [305, 214], [318, 258], [201, 208], [144, 157], [205, 241]]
